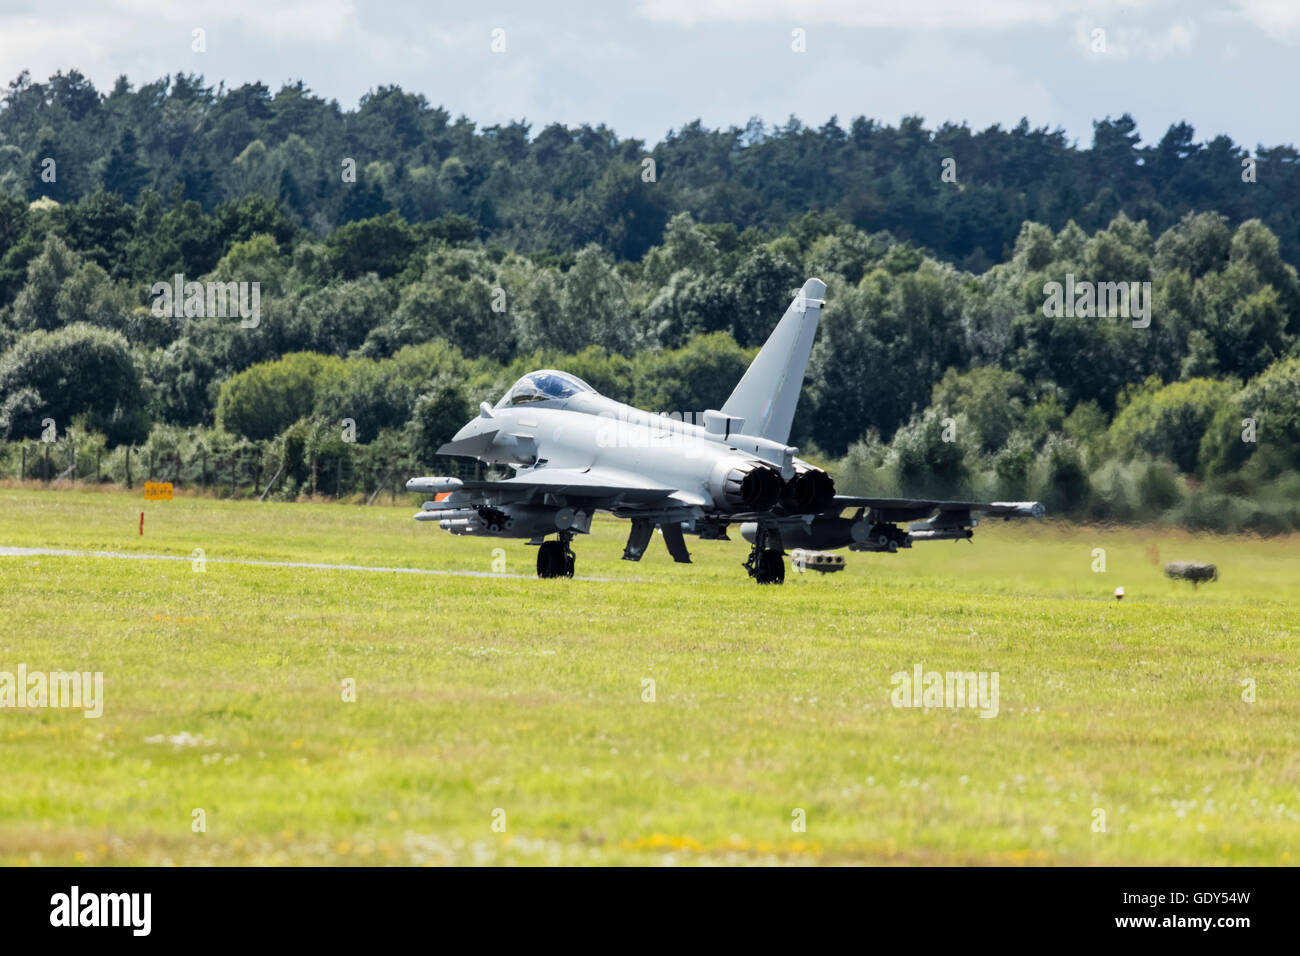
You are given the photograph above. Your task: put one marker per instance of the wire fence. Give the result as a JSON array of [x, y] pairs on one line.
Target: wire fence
[[249, 470]]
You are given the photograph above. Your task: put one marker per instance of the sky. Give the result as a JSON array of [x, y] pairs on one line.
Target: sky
[[648, 66]]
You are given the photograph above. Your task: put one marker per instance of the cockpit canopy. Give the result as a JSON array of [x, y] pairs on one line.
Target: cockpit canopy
[[543, 385]]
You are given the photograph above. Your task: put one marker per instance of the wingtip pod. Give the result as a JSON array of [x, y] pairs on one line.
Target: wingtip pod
[[433, 485], [1019, 509]]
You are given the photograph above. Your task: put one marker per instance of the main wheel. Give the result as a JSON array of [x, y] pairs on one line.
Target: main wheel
[[550, 559], [771, 567]]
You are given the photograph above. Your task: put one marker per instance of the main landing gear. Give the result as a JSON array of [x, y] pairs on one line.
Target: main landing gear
[[555, 559], [766, 563]]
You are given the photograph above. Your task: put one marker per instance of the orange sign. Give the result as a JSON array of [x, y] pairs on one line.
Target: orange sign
[[157, 491]]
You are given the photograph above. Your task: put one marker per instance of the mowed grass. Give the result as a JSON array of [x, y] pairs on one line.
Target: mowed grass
[[223, 693]]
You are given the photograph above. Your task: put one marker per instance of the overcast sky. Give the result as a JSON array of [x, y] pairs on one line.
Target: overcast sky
[[649, 66]]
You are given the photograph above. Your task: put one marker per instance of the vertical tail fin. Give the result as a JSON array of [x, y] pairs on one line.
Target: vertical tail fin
[[769, 390]]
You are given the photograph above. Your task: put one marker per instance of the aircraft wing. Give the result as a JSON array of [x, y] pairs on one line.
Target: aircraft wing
[[647, 503]]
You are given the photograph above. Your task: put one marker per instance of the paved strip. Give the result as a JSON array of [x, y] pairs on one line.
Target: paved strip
[[7, 551]]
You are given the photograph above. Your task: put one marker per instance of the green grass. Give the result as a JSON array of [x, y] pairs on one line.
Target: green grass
[[475, 694]]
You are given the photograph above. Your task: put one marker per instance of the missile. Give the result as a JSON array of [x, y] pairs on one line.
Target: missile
[[458, 514], [463, 526], [942, 534]]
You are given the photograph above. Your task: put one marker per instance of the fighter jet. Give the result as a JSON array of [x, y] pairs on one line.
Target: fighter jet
[[575, 452]]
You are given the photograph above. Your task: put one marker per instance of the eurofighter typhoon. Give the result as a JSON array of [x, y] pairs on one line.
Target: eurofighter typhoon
[[575, 452]]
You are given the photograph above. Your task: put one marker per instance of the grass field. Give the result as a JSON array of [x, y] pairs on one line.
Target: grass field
[[223, 693]]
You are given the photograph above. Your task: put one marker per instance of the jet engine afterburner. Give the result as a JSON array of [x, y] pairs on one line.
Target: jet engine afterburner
[[809, 491], [745, 486]]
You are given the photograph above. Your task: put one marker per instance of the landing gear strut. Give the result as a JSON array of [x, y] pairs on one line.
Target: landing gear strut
[[766, 564], [555, 559]]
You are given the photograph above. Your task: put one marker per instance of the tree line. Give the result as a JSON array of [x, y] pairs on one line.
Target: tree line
[[934, 371], [556, 190]]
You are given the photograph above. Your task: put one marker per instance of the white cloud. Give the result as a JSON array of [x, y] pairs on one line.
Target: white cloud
[[1279, 19], [910, 15], [306, 21]]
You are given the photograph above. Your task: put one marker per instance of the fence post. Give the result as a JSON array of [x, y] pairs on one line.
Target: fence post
[[22, 473], [46, 476], [128, 466]]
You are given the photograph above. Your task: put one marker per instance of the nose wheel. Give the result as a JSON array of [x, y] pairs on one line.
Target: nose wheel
[[555, 559]]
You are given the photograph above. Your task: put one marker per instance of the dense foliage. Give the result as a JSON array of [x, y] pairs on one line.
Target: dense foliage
[[460, 258], [557, 189]]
